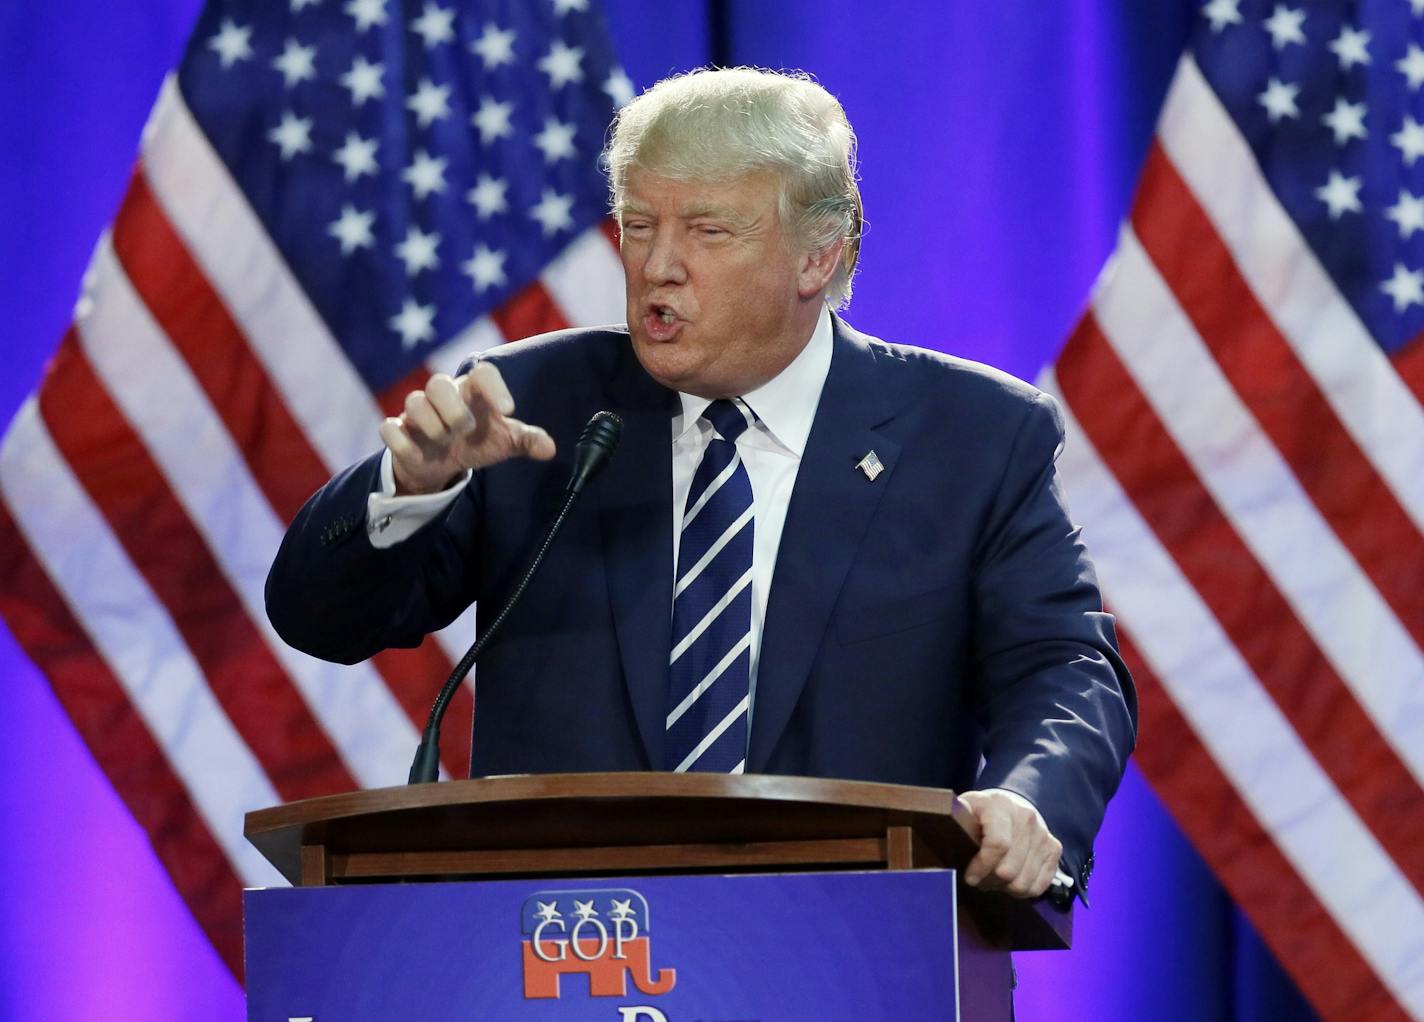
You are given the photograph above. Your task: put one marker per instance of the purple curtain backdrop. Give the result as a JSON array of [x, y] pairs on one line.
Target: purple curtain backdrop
[[1000, 143]]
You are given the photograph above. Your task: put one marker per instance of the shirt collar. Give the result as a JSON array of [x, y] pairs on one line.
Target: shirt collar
[[785, 405]]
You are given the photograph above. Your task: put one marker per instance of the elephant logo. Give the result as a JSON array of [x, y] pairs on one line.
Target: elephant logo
[[601, 934]]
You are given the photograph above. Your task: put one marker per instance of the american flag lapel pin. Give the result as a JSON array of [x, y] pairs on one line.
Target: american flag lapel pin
[[871, 465]]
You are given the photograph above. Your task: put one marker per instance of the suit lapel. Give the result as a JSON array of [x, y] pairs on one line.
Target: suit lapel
[[830, 511], [637, 538]]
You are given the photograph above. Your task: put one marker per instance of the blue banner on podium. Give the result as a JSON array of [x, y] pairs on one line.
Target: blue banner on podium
[[833, 947]]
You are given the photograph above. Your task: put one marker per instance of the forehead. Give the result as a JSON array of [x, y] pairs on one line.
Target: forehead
[[749, 195]]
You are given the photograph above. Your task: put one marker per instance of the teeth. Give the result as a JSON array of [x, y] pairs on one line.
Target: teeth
[[666, 315]]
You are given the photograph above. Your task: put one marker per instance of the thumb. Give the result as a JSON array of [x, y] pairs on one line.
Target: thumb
[[534, 442]]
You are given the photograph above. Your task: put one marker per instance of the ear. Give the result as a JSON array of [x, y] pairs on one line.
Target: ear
[[817, 269]]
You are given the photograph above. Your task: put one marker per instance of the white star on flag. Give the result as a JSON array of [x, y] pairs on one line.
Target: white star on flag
[[1407, 214], [1409, 140], [485, 268], [357, 156], [562, 7], [232, 43], [1341, 194], [435, 25], [488, 196], [293, 135], [1351, 46], [492, 119], [299, 5], [429, 102], [1222, 13], [619, 88], [1284, 24], [553, 211], [364, 80], [1411, 65], [297, 63], [1406, 287], [556, 141], [353, 229], [494, 47], [368, 13], [417, 251], [415, 323], [562, 64], [1347, 120], [1279, 100], [426, 174], [1418, 7]]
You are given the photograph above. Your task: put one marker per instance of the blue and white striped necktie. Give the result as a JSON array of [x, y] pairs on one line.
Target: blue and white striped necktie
[[709, 694]]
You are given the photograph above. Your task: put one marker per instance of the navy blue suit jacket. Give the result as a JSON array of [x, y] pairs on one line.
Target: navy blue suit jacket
[[939, 625]]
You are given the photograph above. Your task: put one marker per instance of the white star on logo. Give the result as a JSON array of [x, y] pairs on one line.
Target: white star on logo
[[485, 268], [553, 211], [232, 43], [357, 156], [1351, 46], [1409, 140], [293, 135], [1341, 194], [1347, 120], [429, 102], [1222, 13], [415, 323], [494, 47], [364, 81], [435, 25], [548, 911], [367, 13], [562, 7], [1284, 24], [426, 174], [417, 251], [353, 229], [1411, 65], [492, 119], [556, 141], [562, 64], [488, 196], [1407, 214], [619, 88], [1406, 287], [585, 909], [1279, 100], [297, 63], [621, 909]]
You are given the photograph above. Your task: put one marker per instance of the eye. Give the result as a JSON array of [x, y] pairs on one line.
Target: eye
[[710, 231]]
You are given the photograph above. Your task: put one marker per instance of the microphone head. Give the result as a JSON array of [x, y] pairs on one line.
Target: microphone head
[[595, 446]]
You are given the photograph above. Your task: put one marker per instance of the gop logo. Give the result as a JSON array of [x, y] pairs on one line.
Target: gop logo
[[601, 934]]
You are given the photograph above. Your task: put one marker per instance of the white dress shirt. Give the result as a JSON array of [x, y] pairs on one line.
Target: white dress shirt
[[771, 450]]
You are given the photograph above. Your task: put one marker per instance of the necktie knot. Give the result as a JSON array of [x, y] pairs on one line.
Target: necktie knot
[[729, 417]]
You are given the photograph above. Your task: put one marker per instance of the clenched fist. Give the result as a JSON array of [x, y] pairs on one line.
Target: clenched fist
[[458, 424]]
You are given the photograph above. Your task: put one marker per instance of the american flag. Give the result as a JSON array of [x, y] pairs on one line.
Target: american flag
[[1246, 451], [334, 198]]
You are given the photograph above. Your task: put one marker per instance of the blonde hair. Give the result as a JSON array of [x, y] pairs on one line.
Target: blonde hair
[[715, 124]]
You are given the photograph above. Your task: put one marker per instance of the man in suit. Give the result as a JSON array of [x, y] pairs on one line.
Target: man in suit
[[814, 553]]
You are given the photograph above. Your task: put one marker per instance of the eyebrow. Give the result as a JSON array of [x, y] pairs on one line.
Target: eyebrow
[[714, 211]]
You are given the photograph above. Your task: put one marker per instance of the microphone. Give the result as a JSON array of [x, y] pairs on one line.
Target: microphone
[[596, 445]]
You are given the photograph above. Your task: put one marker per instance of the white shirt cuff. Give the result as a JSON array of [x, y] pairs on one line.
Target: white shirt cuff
[[391, 519]]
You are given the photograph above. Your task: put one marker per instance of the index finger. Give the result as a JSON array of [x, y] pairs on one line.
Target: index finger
[[484, 385]]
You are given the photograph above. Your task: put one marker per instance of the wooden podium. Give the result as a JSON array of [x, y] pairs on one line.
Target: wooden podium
[[591, 825]]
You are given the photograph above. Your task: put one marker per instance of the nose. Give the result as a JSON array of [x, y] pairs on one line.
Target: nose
[[664, 263]]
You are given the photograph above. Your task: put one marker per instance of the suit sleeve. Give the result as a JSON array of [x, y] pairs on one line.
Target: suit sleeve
[[1057, 702], [334, 595]]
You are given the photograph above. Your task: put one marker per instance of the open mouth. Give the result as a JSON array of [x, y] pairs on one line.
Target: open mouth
[[661, 322]]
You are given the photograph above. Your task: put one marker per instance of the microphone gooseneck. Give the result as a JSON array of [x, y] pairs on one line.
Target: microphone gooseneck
[[596, 445]]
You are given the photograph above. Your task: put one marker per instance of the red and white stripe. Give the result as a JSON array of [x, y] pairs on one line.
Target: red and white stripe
[[1249, 468], [195, 404]]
